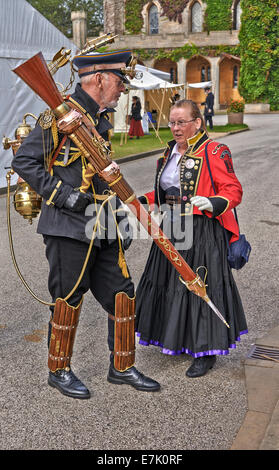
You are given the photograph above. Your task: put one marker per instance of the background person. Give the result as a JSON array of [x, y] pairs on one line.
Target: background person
[[175, 98], [209, 107], [135, 119], [168, 314]]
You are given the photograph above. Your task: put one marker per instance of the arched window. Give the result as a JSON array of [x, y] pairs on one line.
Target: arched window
[[237, 15], [235, 76], [196, 18], [153, 18], [205, 73]]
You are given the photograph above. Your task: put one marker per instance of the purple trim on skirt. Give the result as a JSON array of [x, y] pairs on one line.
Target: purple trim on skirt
[[170, 352]]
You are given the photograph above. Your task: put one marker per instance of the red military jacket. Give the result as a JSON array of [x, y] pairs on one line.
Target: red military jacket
[[195, 181]]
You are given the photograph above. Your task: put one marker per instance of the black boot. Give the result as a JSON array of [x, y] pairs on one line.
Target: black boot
[[201, 366], [132, 377], [68, 384]]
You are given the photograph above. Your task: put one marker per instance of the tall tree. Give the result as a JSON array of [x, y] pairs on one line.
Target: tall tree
[[58, 12]]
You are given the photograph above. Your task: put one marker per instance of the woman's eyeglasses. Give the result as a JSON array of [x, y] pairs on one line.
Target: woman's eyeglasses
[[179, 123]]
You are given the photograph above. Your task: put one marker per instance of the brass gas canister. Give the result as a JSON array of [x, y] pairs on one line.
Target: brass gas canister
[[26, 201]]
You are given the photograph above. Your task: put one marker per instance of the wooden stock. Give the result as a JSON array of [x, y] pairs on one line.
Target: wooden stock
[[36, 74], [74, 123]]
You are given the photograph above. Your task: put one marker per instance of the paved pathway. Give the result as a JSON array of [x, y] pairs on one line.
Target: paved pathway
[[204, 413]]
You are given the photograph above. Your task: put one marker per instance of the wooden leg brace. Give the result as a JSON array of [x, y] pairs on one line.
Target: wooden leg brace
[[63, 330], [124, 332]]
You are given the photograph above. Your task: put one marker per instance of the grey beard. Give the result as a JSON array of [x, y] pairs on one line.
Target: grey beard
[[112, 104]]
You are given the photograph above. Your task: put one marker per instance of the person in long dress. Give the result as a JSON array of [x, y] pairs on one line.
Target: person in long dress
[[198, 223], [135, 129]]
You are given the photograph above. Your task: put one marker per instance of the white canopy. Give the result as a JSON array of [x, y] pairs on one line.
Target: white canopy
[[23, 33], [200, 85], [158, 73], [148, 81], [152, 79]]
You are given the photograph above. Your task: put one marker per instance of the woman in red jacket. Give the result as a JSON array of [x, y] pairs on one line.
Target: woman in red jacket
[[197, 221], [135, 123]]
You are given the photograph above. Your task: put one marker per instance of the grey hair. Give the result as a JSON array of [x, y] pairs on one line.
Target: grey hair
[[195, 110], [86, 79]]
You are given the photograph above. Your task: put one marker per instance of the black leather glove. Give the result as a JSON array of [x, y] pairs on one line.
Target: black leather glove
[[127, 243], [126, 231], [78, 201]]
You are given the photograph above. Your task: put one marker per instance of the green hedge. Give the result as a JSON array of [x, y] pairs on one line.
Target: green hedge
[[259, 51]]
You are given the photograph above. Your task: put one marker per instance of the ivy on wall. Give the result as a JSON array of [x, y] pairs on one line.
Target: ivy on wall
[[173, 9], [187, 51], [259, 52], [218, 16], [133, 16]]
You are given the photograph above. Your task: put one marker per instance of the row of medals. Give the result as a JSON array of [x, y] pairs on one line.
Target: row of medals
[[189, 164]]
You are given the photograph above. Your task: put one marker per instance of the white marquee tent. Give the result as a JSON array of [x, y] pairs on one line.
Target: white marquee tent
[[23, 33], [151, 79]]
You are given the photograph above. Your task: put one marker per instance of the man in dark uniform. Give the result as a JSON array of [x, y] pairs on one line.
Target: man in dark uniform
[[209, 107], [55, 168]]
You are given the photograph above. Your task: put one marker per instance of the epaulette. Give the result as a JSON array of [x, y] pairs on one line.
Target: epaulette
[[47, 121], [218, 146]]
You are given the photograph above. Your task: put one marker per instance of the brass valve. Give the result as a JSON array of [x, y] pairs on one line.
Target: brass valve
[[24, 129]]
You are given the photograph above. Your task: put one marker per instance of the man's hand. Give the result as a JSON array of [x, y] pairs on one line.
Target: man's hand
[[78, 201], [202, 203]]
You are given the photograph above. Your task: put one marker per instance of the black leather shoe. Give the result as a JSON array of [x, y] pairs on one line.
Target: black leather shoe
[[67, 383], [134, 378], [201, 366]]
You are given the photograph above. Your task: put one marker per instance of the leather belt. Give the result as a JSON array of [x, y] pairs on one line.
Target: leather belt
[[172, 200]]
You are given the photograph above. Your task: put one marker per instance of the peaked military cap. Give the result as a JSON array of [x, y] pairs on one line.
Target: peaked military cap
[[111, 61]]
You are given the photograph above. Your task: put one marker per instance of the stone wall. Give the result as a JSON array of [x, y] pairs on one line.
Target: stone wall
[[168, 40], [173, 34], [114, 16]]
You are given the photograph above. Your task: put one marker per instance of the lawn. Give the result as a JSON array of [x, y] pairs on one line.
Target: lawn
[[151, 141], [229, 127]]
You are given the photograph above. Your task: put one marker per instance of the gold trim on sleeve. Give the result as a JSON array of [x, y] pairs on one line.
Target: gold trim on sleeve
[[228, 203]]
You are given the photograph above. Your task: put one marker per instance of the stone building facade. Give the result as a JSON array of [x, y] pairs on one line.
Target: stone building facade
[[158, 31]]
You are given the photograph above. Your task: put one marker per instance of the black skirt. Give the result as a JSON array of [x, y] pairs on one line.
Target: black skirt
[[172, 317]]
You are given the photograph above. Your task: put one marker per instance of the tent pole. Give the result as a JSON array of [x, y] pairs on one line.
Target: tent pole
[[161, 109], [126, 131], [156, 132]]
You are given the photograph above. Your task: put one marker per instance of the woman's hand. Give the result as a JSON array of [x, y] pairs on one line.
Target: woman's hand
[[202, 203]]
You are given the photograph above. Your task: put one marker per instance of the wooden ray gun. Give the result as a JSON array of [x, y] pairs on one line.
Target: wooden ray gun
[[72, 122]]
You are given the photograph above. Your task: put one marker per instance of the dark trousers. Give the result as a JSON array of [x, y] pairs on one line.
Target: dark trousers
[[103, 277], [209, 119]]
